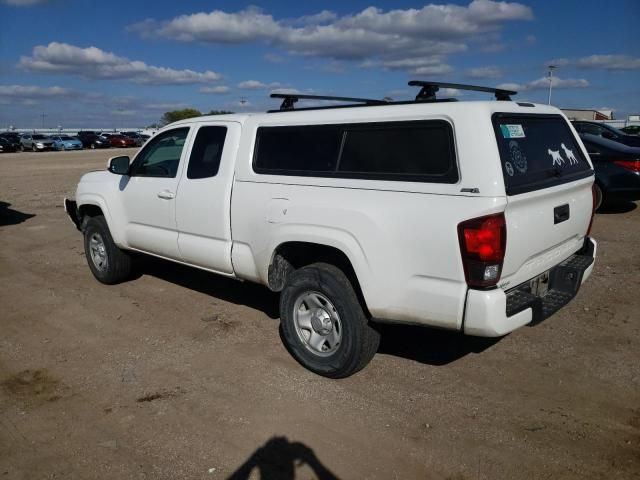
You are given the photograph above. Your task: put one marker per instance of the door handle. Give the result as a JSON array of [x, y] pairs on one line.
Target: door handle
[[166, 194]]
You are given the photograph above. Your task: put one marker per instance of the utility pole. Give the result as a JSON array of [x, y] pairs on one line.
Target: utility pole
[[43, 115], [550, 75]]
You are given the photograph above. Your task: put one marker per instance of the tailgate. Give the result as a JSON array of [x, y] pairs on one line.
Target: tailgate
[[548, 182]]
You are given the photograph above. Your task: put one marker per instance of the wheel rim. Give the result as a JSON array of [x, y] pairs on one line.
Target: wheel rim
[[317, 323], [98, 252]]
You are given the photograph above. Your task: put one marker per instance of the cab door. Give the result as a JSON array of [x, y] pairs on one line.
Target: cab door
[[204, 197], [148, 194]]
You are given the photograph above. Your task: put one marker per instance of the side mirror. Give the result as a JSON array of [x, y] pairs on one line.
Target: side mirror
[[119, 165]]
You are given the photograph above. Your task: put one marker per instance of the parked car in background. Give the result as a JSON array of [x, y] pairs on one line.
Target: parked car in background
[[631, 130], [6, 146], [617, 168], [65, 142], [36, 142], [121, 141], [135, 136], [606, 131], [13, 139], [92, 140]]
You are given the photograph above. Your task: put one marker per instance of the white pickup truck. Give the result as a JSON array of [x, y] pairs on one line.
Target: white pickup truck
[[470, 216]]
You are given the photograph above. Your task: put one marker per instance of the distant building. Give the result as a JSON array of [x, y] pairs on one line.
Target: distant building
[[577, 114]]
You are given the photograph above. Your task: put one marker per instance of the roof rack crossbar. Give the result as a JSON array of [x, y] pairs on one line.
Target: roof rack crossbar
[[429, 89], [289, 99]]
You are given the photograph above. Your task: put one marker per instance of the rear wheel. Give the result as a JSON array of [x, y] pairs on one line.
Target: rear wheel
[[108, 263], [323, 323]]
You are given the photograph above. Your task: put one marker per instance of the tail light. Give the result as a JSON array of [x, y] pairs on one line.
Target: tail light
[[593, 207], [633, 165], [483, 242]]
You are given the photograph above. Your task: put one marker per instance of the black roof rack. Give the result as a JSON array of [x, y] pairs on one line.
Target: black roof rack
[[428, 91], [289, 99]]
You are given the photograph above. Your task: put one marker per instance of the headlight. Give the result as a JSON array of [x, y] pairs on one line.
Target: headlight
[[39, 144]]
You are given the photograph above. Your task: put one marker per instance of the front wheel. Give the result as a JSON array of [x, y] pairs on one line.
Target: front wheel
[[108, 263], [323, 323]]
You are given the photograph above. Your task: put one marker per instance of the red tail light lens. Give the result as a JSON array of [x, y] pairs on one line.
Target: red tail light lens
[[483, 242], [633, 165]]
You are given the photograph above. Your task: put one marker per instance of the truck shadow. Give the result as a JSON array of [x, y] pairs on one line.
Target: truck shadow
[[232, 291], [278, 459], [428, 345], [421, 344], [8, 216]]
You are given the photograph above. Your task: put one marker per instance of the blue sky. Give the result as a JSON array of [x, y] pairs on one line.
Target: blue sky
[[109, 64]]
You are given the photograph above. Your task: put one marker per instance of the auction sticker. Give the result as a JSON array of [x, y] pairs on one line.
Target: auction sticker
[[512, 131]]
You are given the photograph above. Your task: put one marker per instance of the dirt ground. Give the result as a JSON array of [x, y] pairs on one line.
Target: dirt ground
[[182, 374]]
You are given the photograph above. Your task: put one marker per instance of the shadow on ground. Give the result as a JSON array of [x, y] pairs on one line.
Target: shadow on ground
[[420, 344], [428, 345], [617, 207], [278, 459], [232, 291], [9, 216]]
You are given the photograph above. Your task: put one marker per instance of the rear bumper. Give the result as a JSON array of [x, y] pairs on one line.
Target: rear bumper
[[493, 313]]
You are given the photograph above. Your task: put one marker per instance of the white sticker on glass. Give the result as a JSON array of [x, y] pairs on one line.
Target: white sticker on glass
[[569, 154], [518, 158], [512, 131], [556, 157]]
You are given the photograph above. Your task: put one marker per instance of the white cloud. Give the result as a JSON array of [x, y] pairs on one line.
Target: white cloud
[[31, 92], [325, 16], [484, 72], [610, 62], [23, 3], [543, 83], [257, 85], [384, 36], [92, 62], [219, 89]]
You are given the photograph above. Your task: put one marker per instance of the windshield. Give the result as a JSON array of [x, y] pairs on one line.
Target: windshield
[[66, 138], [40, 137], [537, 151]]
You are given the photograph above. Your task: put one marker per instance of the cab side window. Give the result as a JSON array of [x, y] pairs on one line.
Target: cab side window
[[206, 152], [161, 156]]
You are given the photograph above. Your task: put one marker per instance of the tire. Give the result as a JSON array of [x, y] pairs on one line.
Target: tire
[[108, 263], [21, 148], [335, 339], [34, 148], [599, 196]]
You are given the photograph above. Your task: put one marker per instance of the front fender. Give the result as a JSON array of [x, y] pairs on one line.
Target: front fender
[[96, 200]]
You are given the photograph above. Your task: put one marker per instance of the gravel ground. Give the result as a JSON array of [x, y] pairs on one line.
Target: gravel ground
[[182, 374]]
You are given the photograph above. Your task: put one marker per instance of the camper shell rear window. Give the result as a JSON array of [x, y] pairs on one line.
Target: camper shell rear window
[[537, 151]]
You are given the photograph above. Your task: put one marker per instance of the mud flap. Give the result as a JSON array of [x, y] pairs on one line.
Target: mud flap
[[71, 207]]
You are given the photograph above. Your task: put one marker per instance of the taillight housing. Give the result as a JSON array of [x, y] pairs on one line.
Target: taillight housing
[[483, 242], [633, 165]]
